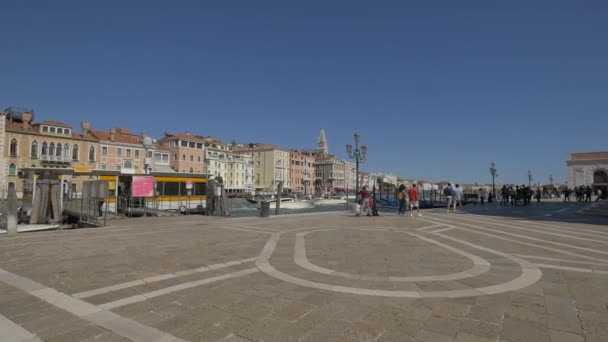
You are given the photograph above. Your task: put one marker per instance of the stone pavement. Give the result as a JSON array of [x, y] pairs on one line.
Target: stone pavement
[[486, 274]]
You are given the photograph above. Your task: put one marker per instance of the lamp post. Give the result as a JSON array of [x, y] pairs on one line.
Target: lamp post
[[551, 180], [359, 155], [530, 178], [147, 160], [494, 175]]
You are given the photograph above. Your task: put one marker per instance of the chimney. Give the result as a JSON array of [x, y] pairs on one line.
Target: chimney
[[112, 134], [26, 118], [86, 126]]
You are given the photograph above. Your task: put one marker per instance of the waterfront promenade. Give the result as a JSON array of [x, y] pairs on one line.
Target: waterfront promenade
[[483, 274]]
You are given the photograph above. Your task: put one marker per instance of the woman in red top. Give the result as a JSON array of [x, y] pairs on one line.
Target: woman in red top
[[413, 195]]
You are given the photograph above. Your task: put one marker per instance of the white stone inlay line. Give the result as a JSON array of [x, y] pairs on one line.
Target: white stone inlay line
[[138, 282], [574, 269], [539, 231], [124, 327], [535, 245], [560, 260], [552, 227], [431, 227], [480, 265], [12, 332], [145, 296], [530, 275]]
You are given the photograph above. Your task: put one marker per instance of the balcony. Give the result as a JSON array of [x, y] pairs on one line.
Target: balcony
[[55, 160]]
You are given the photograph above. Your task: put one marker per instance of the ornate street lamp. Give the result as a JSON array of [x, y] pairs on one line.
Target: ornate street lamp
[[530, 178], [494, 175], [359, 155]]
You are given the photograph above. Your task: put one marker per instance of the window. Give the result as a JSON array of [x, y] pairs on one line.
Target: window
[[199, 146], [137, 153], [66, 151], [13, 147], [52, 129], [199, 159], [104, 166], [52, 149], [60, 130], [128, 164], [184, 143], [191, 170], [66, 131], [104, 150], [149, 154], [34, 149], [45, 128], [91, 153], [183, 157], [59, 147], [119, 151], [175, 157], [12, 170], [118, 167], [165, 158], [191, 158], [75, 152], [128, 152], [44, 149], [192, 145]]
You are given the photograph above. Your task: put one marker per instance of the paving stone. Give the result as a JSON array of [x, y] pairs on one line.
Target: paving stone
[[522, 331], [444, 326], [429, 336], [563, 305], [464, 337], [562, 336], [480, 328]]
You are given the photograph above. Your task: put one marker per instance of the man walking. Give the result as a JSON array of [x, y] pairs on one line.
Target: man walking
[[458, 195], [413, 195], [449, 194], [401, 199], [482, 196]]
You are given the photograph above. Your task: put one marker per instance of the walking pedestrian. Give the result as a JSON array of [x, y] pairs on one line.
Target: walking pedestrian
[[458, 195], [401, 199], [413, 195], [538, 195], [449, 194], [482, 195], [365, 208]]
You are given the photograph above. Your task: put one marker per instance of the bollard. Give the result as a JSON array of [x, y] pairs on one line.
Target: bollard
[[11, 205], [264, 208]]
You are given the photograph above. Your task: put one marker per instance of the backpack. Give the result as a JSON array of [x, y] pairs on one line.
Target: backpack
[[400, 195]]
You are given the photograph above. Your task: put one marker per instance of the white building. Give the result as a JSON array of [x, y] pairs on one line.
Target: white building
[[588, 169], [234, 166]]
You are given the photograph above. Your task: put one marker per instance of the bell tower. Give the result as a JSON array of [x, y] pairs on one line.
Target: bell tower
[[322, 143]]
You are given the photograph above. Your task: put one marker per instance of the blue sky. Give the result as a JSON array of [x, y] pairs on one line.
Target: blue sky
[[437, 89]]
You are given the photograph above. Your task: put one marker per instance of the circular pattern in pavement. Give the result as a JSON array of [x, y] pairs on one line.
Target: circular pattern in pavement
[[530, 274]]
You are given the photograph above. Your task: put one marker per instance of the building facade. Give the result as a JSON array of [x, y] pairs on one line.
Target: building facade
[[186, 152], [228, 162], [588, 169], [120, 150], [330, 172], [48, 144], [3, 170], [301, 172], [271, 165]]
